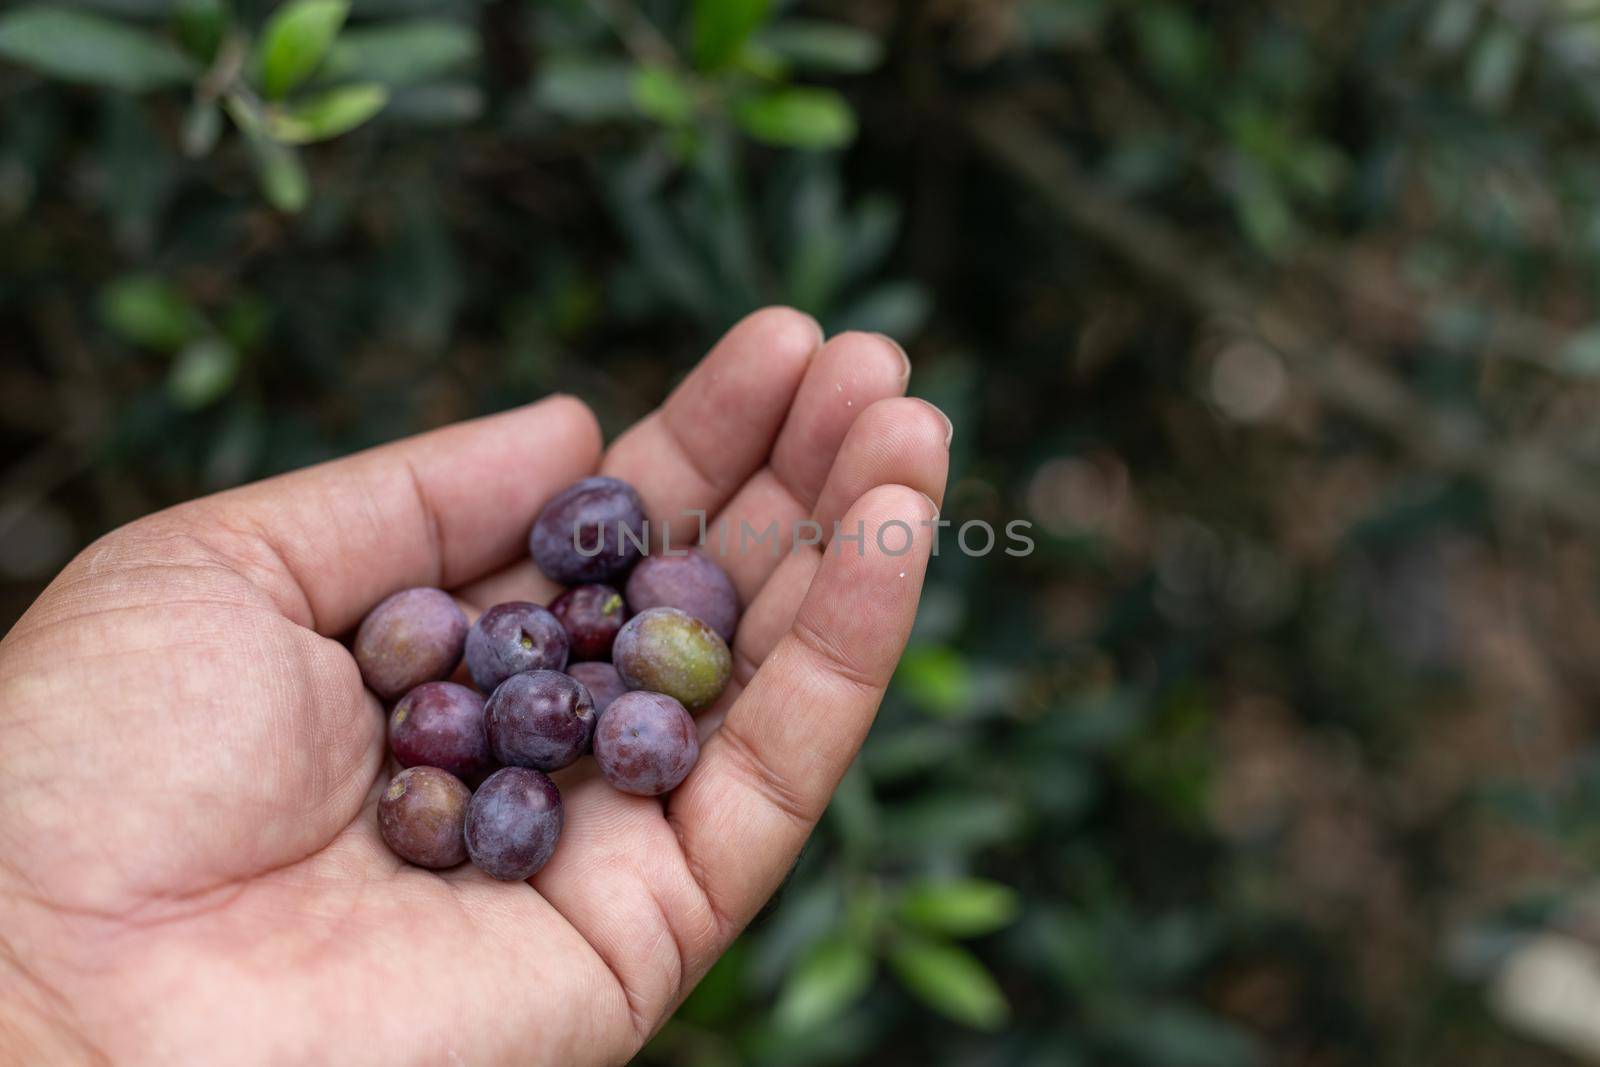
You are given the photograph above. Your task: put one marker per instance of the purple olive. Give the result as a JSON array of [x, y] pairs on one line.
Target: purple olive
[[592, 615], [440, 724], [513, 823], [421, 816], [591, 532], [511, 638], [541, 719], [602, 681], [693, 583], [646, 744], [414, 636]]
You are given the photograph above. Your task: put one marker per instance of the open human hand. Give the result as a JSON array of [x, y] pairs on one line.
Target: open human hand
[[190, 870]]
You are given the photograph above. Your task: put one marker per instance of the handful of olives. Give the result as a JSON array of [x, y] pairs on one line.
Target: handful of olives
[[615, 665]]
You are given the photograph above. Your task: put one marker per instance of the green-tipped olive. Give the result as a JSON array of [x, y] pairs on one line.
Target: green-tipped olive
[[664, 650]]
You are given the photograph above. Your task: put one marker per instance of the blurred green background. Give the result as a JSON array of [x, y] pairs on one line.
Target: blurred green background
[[1277, 321]]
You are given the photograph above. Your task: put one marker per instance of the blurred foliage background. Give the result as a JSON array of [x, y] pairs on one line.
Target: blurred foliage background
[[1277, 321]]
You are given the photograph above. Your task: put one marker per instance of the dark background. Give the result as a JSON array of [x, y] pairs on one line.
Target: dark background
[[1274, 319]]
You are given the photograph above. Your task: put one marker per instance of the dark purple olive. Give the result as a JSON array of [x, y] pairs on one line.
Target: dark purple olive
[[513, 823], [602, 681], [542, 719], [591, 532], [440, 724], [511, 638], [592, 615]]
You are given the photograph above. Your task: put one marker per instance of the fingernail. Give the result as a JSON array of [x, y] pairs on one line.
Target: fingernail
[[905, 373], [949, 427], [933, 507]]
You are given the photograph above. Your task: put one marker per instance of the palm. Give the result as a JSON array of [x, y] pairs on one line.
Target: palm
[[187, 758]]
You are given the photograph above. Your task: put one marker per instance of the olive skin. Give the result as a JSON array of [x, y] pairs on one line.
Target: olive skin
[[646, 744], [422, 817], [513, 823], [664, 650]]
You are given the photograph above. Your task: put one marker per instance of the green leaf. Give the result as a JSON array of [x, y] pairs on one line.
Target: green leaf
[[149, 312], [79, 47], [962, 908], [246, 114], [824, 47], [758, 63], [201, 24], [899, 309], [403, 53], [721, 28], [1264, 212], [1496, 66], [854, 812], [586, 89], [954, 822], [720, 996], [296, 40], [797, 118], [441, 104], [130, 9], [874, 228], [671, 264], [203, 373], [326, 115], [1176, 47], [662, 95], [244, 321], [829, 979], [937, 677], [202, 126], [950, 980], [283, 177]]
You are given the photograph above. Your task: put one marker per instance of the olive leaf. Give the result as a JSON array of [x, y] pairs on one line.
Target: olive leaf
[[79, 47], [325, 115], [296, 41]]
